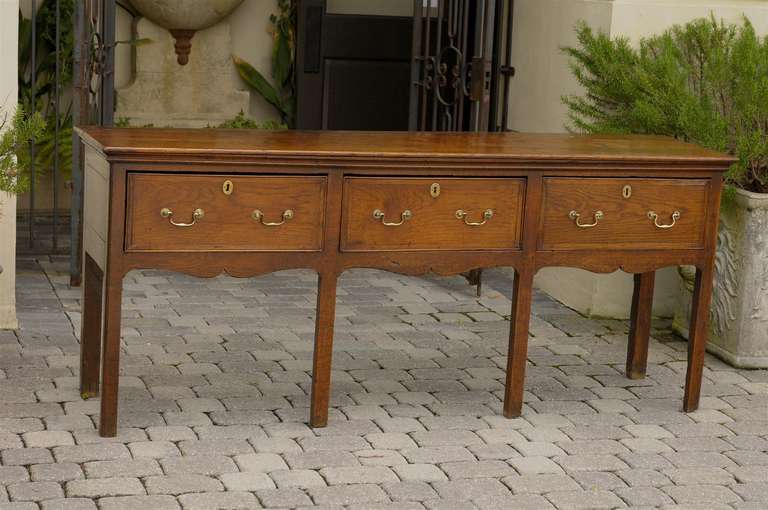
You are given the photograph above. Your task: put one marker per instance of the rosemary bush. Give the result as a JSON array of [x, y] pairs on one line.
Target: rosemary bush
[[704, 82]]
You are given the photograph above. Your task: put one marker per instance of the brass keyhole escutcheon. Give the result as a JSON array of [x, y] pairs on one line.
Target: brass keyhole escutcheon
[[227, 187], [434, 190], [626, 191]]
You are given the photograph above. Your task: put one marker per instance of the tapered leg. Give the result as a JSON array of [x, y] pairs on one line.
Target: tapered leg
[[475, 277], [640, 325], [518, 343], [90, 333], [111, 359], [321, 366], [697, 339]]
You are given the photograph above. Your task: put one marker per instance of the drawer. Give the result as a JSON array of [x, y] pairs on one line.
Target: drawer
[[290, 219], [623, 213], [431, 214]]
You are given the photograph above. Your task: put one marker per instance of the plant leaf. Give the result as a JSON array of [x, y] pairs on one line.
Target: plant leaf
[[257, 81]]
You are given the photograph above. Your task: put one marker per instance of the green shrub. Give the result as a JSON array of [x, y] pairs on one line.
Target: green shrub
[[705, 82], [15, 136]]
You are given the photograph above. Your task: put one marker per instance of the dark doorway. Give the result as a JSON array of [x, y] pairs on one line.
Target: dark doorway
[[444, 68], [348, 66]]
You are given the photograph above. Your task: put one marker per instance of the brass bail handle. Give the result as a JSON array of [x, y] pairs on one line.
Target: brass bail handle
[[196, 215], [575, 217], [655, 218], [462, 215], [404, 216], [259, 216]]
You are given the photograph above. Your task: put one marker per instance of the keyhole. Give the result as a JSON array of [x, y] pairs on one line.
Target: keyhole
[[626, 192], [227, 187]]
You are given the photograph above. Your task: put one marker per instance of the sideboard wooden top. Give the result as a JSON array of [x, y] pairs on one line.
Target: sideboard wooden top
[[141, 143]]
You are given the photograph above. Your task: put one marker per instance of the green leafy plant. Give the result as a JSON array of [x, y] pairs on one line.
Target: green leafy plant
[[15, 136], [240, 121], [281, 93], [704, 82]]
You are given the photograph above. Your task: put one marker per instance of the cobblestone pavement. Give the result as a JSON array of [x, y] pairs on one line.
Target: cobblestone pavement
[[215, 378]]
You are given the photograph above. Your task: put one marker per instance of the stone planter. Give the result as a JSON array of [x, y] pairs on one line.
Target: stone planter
[[738, 328]]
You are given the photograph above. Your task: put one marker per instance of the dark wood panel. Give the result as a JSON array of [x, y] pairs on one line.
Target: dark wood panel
[[364, 95], [353, 71]]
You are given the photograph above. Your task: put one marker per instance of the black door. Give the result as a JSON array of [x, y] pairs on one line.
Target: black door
[[352, 71]]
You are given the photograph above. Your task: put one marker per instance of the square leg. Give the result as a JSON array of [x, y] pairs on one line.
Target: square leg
[[640, 325], [91, 332], [697, 338], [321, 365], [517, 355], [111, 357]]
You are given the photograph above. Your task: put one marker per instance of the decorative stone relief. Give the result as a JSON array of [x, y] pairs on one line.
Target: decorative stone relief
[[205, 92], [725, 291], [739, 311]]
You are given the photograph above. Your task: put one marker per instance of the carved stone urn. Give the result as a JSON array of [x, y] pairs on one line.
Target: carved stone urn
[[183, 18], [738, 326]]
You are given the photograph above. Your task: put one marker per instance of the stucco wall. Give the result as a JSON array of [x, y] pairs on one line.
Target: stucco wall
[[8, 97], [541, 28]]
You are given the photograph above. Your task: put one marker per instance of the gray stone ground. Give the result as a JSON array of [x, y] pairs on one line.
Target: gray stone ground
[[215, 377]]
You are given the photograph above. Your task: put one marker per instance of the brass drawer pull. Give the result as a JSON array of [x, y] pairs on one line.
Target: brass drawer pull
[[196, 215], [655, 218], [405, 216], [259, 216], [462, 215], [575, 217]]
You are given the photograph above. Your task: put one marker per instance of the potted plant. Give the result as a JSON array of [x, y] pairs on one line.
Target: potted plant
[[705, 82]]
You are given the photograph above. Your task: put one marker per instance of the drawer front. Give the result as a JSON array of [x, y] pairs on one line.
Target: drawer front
[[442, 214], [228, 221], [623, 213]]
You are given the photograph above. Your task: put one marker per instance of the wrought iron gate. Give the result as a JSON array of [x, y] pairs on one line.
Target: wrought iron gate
[[460, 59], [66, 72]]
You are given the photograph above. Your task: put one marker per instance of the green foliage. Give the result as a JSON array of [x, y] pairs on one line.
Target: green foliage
[[14, 149], [282, 91], [122, 122], [243, 122], [704, 82], [44, 76]]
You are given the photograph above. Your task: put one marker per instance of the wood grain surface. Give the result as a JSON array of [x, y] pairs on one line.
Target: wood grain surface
[[117, 142], [433, 225], [625, 222], [227, 224], [333, 181]]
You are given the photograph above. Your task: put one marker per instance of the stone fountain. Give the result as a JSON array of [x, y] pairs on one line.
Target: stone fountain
[[204, 90], [182, 18]]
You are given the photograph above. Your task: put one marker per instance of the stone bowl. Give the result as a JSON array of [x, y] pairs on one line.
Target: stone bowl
[[183, 18]]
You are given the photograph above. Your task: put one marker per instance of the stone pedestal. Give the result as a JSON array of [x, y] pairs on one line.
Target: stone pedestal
[[739, 314], [205, 92]]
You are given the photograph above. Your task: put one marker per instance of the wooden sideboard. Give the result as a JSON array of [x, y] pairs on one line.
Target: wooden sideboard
[[244, 202]]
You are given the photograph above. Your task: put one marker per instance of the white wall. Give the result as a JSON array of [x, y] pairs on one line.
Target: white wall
[[8, 97], [541, 28]]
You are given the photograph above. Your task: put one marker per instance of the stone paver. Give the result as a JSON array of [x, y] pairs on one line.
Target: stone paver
[[215, 381]]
